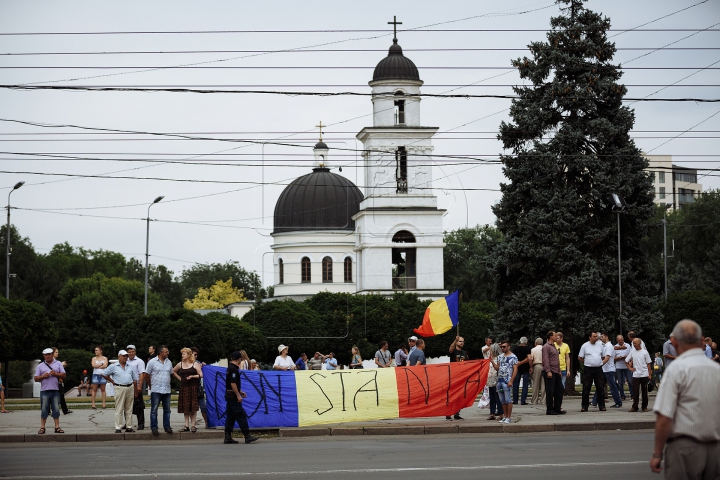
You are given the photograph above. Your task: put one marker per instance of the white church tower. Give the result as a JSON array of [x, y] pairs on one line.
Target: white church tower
[[399, 231]]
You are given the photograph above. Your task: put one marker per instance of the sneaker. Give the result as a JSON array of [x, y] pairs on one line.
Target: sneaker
[[448, 418], [617, 405], [507, 421], [251, 439], [501, 420], [458, 417]]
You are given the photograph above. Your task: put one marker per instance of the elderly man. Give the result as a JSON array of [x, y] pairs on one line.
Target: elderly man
[[486, 349], [592, 356], [687, 425], [48, 373], [331, 362], [622, 374], [316, 362], [138, 404], [125, 380], [669, 352], [538, 383], [640, 363]]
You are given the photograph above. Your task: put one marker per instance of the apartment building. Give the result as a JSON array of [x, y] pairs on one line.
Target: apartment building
[[672, 183]]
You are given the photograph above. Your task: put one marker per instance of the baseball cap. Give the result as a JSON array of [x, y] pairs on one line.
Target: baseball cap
[[84, 372], [122, 352], [235, 355], [413, 338], [131, 347], [47, 350]]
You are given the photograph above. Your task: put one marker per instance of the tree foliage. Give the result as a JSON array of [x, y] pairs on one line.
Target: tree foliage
[[703, 306], [25, 330], [217, 296], [205, 275], [465, 261], [570, 149]]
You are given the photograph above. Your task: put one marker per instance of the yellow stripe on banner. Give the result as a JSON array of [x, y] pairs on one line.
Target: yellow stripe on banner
[[440, 316], [334, 396]]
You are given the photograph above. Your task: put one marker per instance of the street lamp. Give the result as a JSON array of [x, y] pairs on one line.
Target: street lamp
[[7, 247], [147, 249], [667, 205], [619, 207]]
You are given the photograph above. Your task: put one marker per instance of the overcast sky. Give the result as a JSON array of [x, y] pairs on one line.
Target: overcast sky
[[243, 211]]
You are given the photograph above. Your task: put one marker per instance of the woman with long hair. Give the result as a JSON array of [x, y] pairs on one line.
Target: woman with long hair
[[356, 361], [99, 363], [495, 406], [244, 360], [189, 373]]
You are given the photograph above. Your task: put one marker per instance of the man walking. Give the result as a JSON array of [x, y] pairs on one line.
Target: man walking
[[457, 354], [552, 376], [591, 355], [139, 366], [522, 352], [669, 352], [158, 373], [622, 374], [125, 380], [538, 381], [506, 367], [687, 410], [234, 411], [608, 369], [48, 373], [640, 363], [564, 356]]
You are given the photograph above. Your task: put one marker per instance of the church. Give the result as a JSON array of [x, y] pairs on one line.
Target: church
[[330, 235]]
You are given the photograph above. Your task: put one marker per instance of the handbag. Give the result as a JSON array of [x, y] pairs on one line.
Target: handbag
[[201, 392], [651, 385]]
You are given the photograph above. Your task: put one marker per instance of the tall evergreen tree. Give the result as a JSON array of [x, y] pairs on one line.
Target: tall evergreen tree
[[570, 150]]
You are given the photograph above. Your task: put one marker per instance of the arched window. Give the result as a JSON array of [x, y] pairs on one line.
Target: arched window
[[281, 270], [348, 270], [305, 270], [404, 260], [327, 276], [399, 109]]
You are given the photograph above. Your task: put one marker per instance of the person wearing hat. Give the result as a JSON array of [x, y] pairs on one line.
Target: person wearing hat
[[234, 411], [84, 383], [283, 361], [125, 380], [412, 344], [48, 373], [139, 365]]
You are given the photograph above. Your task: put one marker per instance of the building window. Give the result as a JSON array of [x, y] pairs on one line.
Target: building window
[[662, 192], [348, 270], [281, 270], [686, 177], [685, 195], [661, 177], [327, 270], [399, 110], [305, 270], [401, 170], [404, 262]]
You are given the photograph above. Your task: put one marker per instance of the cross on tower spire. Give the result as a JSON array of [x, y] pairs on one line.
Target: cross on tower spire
[[394, 23], [320, 126]]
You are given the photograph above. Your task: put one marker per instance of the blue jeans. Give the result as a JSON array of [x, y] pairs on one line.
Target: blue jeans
[[504, 393], [564, 377], [622, 374], [516, 386], [48, 399], [155, 399], [495, 407], [610, 380]]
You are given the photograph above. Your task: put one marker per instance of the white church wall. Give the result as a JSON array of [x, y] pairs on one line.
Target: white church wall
[[429, 269], [376, 268], [384, 102]]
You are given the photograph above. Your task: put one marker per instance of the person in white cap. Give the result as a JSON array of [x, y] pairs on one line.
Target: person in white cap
[[412, 344], [47, 373], [125, 379], [283, 361], [139, 365]]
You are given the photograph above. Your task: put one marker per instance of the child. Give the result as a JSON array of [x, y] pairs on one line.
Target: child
[[84, 383]]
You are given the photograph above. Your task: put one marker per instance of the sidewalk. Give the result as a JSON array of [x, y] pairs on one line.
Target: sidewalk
[[98, 425]]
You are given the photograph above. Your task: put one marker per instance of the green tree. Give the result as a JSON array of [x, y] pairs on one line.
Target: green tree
[[696, 229], [25, 330], [205, 275], [217, 296], [238, 335], [570, 149], [161, 281], [703, 306], [92, 310], [70, 262], [465, 261]]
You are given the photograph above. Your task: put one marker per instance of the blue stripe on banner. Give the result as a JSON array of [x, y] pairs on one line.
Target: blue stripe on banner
[[271, 397]]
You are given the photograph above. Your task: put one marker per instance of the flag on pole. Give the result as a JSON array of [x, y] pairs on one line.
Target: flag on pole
[[440, 316]]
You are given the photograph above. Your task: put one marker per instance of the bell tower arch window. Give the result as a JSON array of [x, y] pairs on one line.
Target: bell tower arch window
[[348, 270], [281, 271], [305, 270], [327, 270], [404, 261], [401, 174], [399, 109]]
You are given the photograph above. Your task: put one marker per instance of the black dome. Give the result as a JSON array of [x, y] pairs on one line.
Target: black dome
[[320, 200], [320, 144], [396, 66]]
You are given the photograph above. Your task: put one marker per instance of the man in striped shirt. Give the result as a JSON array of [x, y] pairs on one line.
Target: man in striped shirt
[[687, 410]]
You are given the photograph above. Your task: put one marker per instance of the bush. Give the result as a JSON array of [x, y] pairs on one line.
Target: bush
[[238, 335], [18, 373], [77, 361], [25, 330]]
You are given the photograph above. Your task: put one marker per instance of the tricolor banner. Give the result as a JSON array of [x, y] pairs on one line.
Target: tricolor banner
[[314, 397], [440, 316]]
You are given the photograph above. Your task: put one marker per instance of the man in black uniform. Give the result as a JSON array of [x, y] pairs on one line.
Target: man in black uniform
[[234, 410], [458, 354]]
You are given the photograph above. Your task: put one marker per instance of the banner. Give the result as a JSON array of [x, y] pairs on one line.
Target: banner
[[314, 397]]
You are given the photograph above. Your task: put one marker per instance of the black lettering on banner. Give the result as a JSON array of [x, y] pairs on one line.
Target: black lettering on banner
[[263, 381], [447, 393], [476, 373], [219, 381], [342, 385], [427, 382], [323, 392], [360, 390]]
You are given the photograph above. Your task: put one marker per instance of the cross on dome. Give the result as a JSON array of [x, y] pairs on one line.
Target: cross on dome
[[320, 126], [394, 23]]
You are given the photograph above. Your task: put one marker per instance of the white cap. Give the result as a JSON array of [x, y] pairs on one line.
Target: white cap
[[281, 348], [122, 352], [130, 347], [47, 350], [413, 338]]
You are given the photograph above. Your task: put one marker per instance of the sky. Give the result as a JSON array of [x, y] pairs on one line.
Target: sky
[[224, 212]]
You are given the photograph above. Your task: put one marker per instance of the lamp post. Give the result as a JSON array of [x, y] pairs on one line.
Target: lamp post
[[7, 247], [667, 205], [619, 207], [147, 249]]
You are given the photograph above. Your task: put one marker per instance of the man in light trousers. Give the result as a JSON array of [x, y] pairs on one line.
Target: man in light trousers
[[538, 382], [124, 379]]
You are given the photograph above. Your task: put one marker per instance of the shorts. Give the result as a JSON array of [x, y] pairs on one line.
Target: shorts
[[203, 405], [98, 379], [504, 392]]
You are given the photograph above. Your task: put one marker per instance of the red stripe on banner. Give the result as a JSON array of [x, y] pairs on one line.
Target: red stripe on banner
[[440, 389]]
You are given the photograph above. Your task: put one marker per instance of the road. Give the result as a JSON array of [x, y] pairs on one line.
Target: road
[[591, 455]]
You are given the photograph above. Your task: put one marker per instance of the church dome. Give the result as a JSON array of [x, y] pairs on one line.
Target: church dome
[[320, 200], [396, 66]]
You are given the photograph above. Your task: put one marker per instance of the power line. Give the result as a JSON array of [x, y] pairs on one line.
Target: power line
[[275, 67]]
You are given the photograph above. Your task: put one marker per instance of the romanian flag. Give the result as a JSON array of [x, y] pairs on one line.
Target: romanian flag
[[440, 316]]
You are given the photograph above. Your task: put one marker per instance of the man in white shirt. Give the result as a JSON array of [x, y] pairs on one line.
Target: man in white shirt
[[138, 404], [592, 356], [640, 363], [622, 374], [608, 369], [687, 410], [538, 382]]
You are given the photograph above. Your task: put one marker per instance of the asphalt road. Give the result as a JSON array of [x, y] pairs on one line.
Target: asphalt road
[[552, 456]]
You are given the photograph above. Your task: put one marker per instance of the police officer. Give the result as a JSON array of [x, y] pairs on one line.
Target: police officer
[[234, 410]]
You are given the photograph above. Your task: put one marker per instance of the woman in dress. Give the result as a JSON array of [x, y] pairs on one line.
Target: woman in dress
[[244, 360], [189, 372], [99, 363], [283, 361], [356, 361]]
